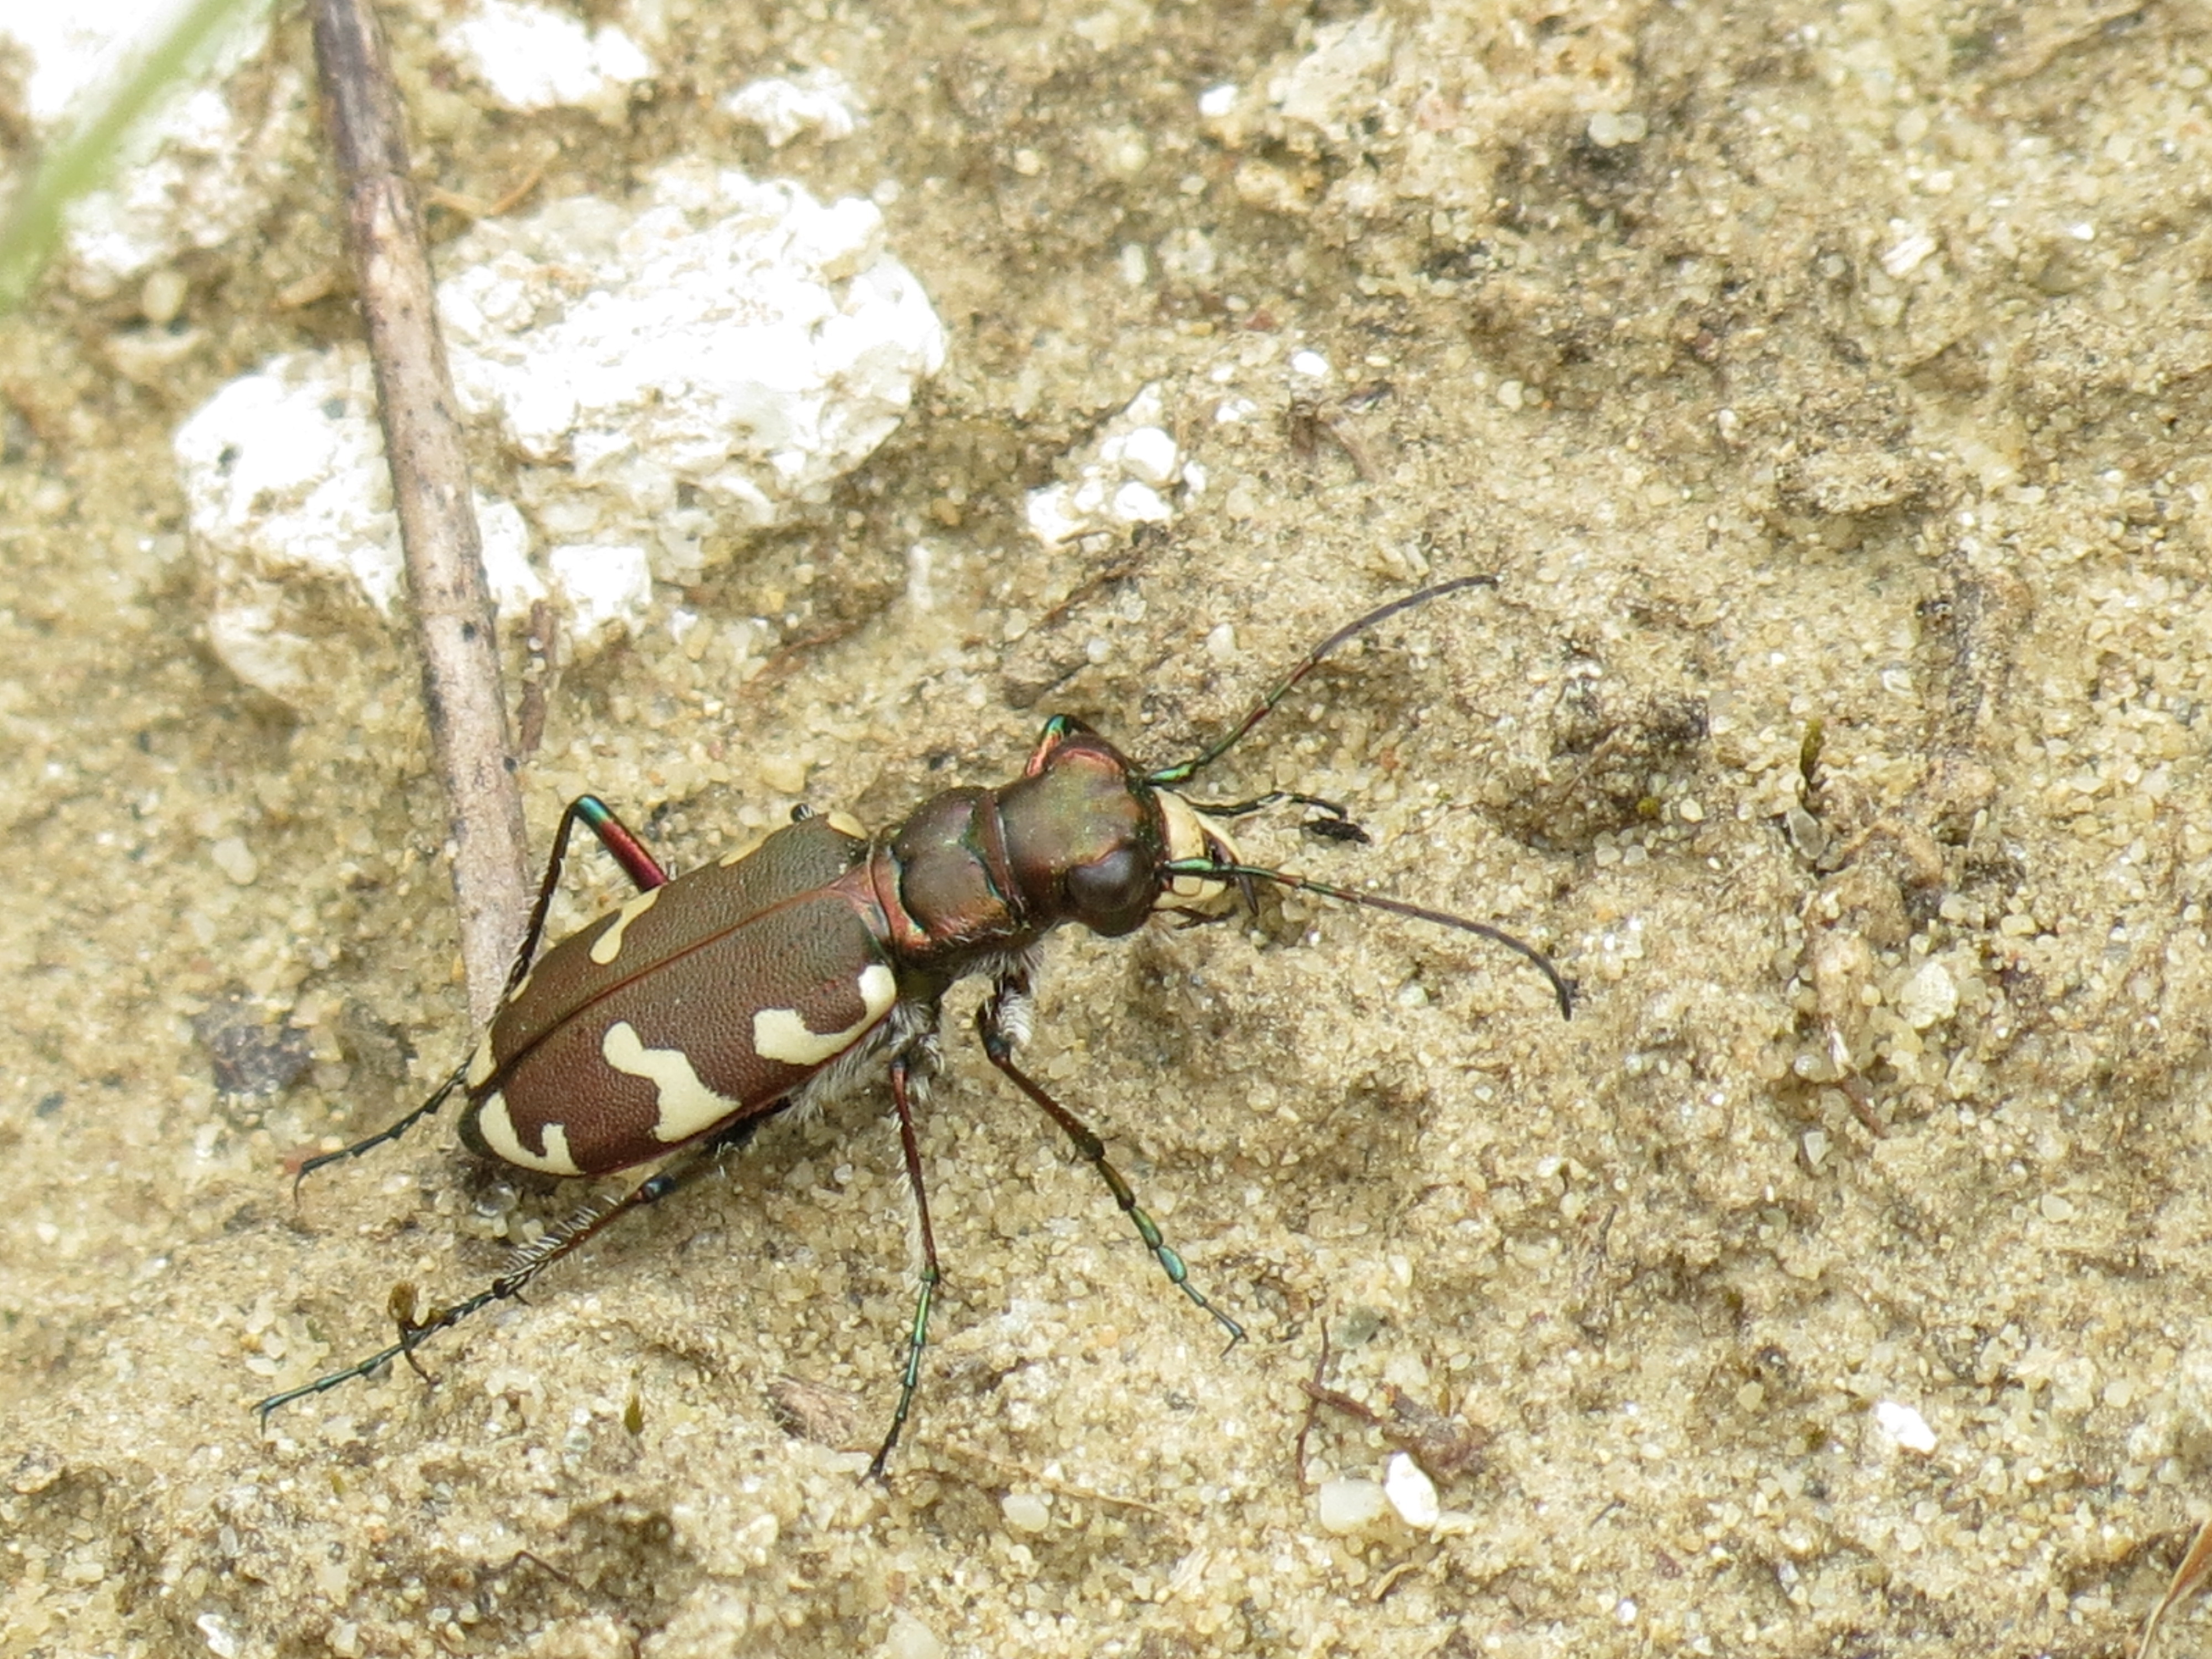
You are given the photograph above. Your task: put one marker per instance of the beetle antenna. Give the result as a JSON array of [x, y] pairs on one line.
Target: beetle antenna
[[1562, 988], [1169, 776]]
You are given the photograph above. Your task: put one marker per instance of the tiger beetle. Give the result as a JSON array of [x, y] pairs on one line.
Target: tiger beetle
[[783, 975]]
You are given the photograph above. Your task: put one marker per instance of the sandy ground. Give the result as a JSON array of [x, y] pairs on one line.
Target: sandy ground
[[1830, 1286]]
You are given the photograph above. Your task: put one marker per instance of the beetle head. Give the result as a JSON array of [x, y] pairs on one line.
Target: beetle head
[[1086, 836]]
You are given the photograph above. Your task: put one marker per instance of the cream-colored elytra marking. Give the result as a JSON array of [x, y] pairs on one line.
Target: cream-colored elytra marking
[[781, 1034], [687, 1106], [608, 946], [482, 1065], [497, 1129], [1190, 836], [742, 853], [846, 825]]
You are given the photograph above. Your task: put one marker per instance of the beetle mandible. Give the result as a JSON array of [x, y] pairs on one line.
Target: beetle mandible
[[784, 975]]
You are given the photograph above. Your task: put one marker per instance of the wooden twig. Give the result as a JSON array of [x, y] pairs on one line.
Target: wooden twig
[[453, 609], [472, 207], [78, 164], [2188, 1578]]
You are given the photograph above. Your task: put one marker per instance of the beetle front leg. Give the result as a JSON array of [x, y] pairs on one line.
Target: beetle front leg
[[995, 1023], [918, 1338]]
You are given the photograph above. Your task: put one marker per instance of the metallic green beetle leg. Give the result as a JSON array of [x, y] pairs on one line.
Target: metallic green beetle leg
[[917, 1337], [991, 1025]]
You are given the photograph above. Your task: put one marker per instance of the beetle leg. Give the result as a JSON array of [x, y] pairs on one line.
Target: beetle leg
[[993, 1022], [1334, 824], [637, 863], [902, 1081], [626, 849], [642, 868], [390, 1132], [530, 1260]]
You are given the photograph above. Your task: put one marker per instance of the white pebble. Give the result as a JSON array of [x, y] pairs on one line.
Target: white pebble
[[784, 773], [1608, 128], [533, 57], [161, 295], [1411, 1492], [1117, 482], [910, 1639], [1026, 1511], [1347, 1504], [1905, 1425], [221, 1640], [1053, 516], [1928, 996], [1905, 254], [235, 860], [1815, 1143], [1148, 455], [602, 587], [782, 109], [716, 337], [1137, 503]]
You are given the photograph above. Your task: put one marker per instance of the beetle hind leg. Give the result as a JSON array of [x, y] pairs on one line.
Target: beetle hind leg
[[306, 1166], [623, 846], [639, 865], [527, 1262]]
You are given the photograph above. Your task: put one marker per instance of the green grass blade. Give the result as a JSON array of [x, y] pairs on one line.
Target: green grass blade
[[81, 161]]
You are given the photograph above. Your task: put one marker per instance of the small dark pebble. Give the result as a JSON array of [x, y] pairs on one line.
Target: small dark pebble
[[252, 1056]]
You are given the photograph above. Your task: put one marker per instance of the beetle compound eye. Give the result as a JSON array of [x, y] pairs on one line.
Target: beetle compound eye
[[1113, 886]]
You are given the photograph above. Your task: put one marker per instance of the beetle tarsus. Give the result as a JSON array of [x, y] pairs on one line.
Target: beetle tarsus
[[390, 1132]]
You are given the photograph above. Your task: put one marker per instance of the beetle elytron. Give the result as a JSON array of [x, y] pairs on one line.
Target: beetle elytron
[[783, 975]]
